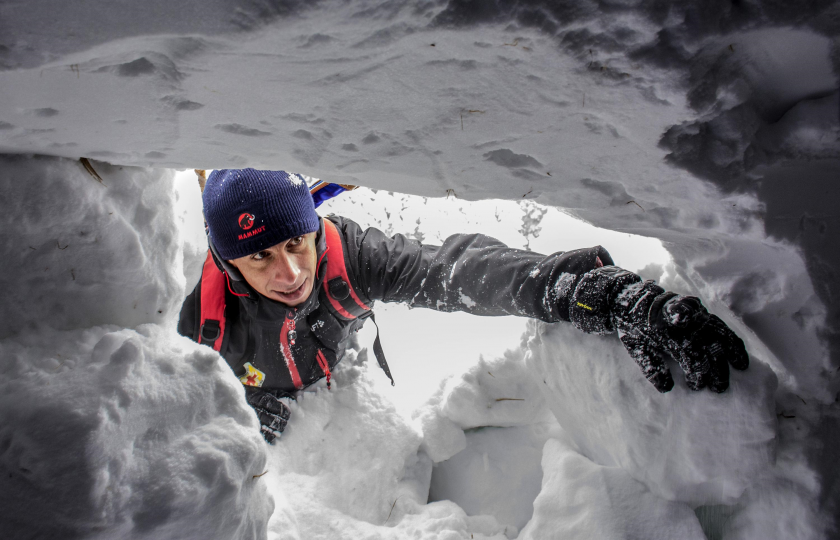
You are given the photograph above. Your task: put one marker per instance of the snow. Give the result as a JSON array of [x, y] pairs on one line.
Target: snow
[[712, 128], [349, 466], [494, 457], [684, 446], [109, 431], [581, 499], [505, 423], [93, 253]]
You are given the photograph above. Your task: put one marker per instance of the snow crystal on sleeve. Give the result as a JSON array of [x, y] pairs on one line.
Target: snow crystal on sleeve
[[465, 300], [563, 287]]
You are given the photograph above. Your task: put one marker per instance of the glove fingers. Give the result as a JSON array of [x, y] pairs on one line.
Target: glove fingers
[[708, 355], [268, 435], [719, 374], [734, 350], [275, 406], [272, 413], [647, 357], [696, 366], [271, 421]]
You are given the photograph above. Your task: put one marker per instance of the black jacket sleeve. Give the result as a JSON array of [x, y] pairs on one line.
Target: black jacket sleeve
[[472, 273]]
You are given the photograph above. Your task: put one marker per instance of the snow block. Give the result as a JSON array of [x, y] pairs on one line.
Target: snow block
[[442, 438], [583, 500], [78, 251], [108, 433], [498, 392], [497, 474], [496, 470], [694, 447]]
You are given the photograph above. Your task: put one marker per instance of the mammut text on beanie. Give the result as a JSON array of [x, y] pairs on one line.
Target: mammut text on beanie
[[249, 210]]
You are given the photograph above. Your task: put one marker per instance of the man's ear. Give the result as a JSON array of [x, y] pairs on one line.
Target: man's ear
[[232, 270], [225, 266]]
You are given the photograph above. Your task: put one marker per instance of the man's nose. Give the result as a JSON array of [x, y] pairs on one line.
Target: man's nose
[[286, 272]]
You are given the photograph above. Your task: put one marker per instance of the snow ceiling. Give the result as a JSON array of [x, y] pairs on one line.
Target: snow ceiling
[[711, 125]]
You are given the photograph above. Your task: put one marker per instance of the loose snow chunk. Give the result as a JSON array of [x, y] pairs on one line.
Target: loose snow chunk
[[349, 466], [134, 434], [695, 447], [351, 448], [442, 438]]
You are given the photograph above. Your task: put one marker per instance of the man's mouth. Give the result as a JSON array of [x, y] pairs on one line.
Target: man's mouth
[[292, 295]]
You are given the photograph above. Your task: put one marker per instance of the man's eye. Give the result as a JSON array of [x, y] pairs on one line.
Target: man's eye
[[260, 255], [296, 241]]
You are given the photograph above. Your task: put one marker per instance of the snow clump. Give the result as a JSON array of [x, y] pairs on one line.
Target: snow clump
[[110, 432]]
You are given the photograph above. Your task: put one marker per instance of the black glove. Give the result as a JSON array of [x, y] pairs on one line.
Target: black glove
[[652, 322], [272, 413]]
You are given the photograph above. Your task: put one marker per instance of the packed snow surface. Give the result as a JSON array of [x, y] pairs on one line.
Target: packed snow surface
[[712, 127], [112, 430]]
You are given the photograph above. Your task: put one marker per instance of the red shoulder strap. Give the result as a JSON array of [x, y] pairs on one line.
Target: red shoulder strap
[[342, 295], [212, 328], [339, 289]]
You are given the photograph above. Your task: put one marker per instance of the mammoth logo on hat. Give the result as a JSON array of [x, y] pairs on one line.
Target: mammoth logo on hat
[[246, 221]]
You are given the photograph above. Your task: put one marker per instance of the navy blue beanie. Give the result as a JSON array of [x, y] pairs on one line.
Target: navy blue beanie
[[249, 210]]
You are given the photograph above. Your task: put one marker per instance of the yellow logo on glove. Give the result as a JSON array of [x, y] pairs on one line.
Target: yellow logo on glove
[[253, 376]]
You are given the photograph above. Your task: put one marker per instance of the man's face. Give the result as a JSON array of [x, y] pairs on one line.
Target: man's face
[[284, 272]]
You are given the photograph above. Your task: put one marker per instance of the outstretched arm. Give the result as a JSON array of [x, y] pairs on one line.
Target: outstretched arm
[[480, 275], [472, 273]]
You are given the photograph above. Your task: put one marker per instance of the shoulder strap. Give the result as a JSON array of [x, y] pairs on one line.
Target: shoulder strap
[[339, 288], [341, 291], [212, 327]]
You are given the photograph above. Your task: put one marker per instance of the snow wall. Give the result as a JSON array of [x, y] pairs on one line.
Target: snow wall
[[714, 128]]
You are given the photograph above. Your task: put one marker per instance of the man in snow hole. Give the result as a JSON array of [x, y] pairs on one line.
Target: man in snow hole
[[283, 290]]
